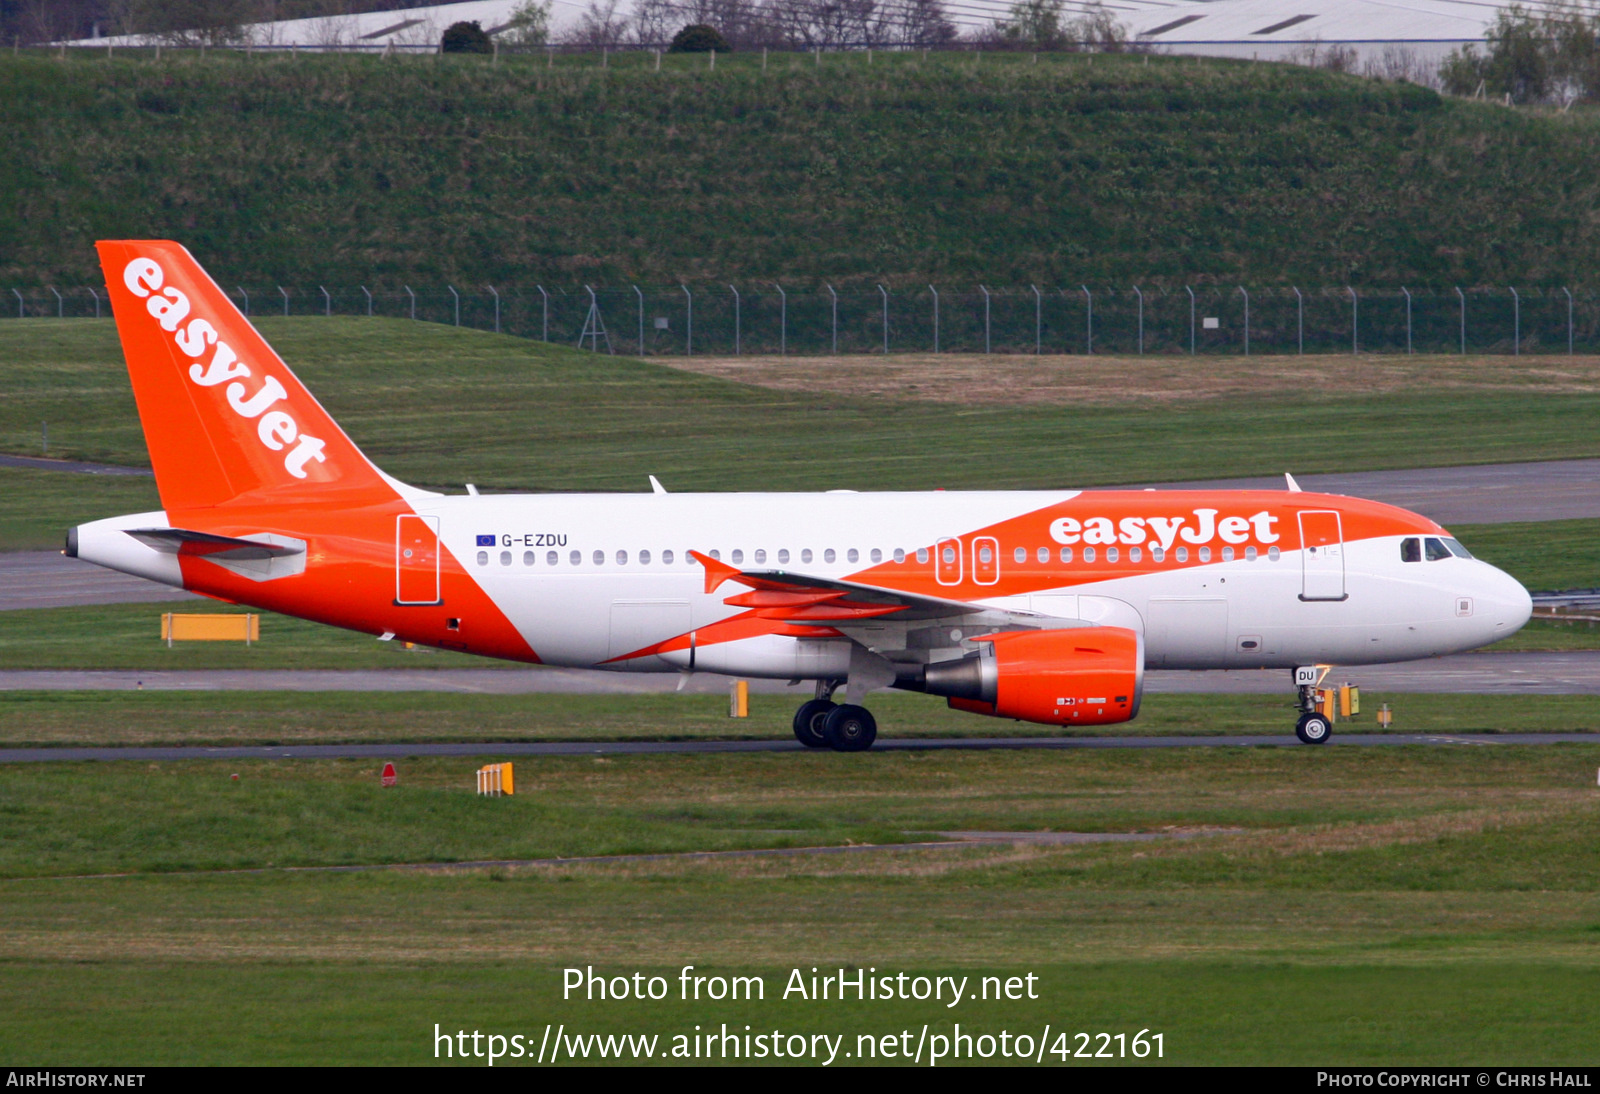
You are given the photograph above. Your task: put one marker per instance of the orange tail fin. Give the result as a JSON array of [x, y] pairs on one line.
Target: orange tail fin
[[223, 416]]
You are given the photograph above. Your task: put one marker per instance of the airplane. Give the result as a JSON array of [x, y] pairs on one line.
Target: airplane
[[1040, 606]]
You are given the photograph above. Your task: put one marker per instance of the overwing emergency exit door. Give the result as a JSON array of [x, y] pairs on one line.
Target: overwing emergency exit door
[[416, 560], [1321, 556]]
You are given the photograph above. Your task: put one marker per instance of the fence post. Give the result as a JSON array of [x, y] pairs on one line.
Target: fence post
[[327, 303], [457, 296], [835, 298], [1190, 291], [1088, 296], [931, 289], [688, 326], [285, 293], [97, 301], [636, 292], [369, 301], [492, 289], [1408, 317], [1038, 321], [783, 321], [21, 304], [1300, 320], [1568, 320], [246, 300], [60, 305], [1463, 297], [1355, 322], [1516, 322], [1246, 321], [885, 293], [735, 321], [1141, 319], [985, 318], [545, 330]]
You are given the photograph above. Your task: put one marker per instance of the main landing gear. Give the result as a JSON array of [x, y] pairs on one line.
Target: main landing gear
[[843, 727]]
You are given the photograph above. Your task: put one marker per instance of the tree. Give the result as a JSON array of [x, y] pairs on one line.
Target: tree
[[1035, 23], [1552, 55], [191, 22], [528, 24], [699, 38], [465, 38], [598, 26]]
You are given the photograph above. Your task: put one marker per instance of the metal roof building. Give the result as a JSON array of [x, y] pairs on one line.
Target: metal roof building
[[1380, 33]]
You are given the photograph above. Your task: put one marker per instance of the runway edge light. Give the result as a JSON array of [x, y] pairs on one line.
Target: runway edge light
[[389, 776]]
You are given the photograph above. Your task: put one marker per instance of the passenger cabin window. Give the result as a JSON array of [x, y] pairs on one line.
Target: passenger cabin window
[[899, 554], [666, 558], [1411, 550], [644, 558], [552, 558], [1434, 549], [1020, 555], [527, 558]]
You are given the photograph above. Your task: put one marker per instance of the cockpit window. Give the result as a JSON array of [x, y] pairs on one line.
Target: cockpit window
[[1456, 548], [1436, 549], [1411, 550]]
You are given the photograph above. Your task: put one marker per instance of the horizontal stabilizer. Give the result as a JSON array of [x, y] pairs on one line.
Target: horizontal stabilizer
[[183, 541]]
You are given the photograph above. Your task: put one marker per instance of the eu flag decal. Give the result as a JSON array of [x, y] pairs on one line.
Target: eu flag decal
[[486, 541]]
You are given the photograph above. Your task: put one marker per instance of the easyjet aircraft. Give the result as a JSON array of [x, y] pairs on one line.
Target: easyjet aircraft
[[1042, 606]]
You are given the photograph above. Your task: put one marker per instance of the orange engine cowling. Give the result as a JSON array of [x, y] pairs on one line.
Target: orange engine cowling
[[1080, 677]]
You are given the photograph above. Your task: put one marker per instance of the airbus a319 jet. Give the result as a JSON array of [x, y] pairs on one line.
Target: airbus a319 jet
[[1042, 606]]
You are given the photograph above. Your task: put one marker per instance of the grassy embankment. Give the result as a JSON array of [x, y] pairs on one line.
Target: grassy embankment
[[1070, 169], [441, 407], [1427, 906]]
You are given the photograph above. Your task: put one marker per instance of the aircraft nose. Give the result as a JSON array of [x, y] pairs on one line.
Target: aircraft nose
[[1504, 601]]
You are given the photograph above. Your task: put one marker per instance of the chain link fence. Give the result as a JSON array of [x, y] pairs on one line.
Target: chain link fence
[[772, 319]]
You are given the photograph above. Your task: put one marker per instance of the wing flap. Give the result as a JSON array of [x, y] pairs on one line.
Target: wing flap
[[780, 594]]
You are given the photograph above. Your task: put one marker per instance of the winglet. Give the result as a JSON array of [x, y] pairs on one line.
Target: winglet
[[1294, 487], [717, 573], [656, 487]]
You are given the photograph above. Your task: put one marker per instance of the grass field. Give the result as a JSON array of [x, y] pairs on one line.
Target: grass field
[[509, 414], [1069, 168], [127, 636], [30, 718], [1426, 905]]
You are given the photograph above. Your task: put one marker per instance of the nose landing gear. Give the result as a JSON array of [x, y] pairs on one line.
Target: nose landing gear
[[843, 727], [1313, 727]]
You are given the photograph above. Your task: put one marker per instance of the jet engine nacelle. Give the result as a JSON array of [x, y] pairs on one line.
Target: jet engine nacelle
[[1085, 676]]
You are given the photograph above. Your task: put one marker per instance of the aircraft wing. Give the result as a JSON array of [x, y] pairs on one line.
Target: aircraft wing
[[806, 598]]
